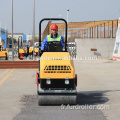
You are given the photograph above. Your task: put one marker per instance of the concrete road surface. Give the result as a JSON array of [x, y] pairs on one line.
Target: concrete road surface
[[98, 87]]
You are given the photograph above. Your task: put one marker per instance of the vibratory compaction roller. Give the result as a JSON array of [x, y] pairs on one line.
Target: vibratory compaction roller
[[56, 78]]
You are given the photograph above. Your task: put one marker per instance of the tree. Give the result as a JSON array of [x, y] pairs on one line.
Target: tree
[[10, 40]]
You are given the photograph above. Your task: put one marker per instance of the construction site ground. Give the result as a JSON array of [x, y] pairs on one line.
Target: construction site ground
[[98, 84]]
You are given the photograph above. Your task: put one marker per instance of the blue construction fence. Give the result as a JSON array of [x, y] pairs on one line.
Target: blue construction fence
[[4, 38], [25, 39]]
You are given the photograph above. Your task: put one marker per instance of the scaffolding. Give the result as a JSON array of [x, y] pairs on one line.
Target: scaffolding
[[82, 30]]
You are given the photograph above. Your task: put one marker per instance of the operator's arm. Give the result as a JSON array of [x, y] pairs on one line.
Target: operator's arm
[[43, 43], [62, 41]]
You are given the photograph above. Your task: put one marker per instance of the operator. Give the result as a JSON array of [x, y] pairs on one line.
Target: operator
[[54, 36]]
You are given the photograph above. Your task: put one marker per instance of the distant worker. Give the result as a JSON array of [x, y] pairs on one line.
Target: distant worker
[[54, 36]]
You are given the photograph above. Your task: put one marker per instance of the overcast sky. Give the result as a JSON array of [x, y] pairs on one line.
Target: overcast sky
[[80, 10]]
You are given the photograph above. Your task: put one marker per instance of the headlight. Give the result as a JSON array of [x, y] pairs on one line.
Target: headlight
[[48, 82], [66, 82]]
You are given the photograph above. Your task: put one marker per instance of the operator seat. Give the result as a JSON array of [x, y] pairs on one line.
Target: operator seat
[[54, 47]]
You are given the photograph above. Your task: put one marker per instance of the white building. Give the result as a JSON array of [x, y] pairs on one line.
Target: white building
[[15, 35]]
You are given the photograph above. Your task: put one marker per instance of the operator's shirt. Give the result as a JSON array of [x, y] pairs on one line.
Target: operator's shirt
[[45, 42]]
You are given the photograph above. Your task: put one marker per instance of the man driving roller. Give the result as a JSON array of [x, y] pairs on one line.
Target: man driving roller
[[54, 36]]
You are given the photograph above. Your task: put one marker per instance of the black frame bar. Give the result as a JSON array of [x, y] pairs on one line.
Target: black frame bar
[[56, 19], [19, 45]]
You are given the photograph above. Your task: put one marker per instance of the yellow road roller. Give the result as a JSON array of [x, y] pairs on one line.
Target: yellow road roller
[[21, 51], [25, 51], [31, 51], [3, 52], [56, 78]]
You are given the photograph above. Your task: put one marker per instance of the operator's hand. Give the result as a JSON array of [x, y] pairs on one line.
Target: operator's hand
[[41, 51], [63, 48]]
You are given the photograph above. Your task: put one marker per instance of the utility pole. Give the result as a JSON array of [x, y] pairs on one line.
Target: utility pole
[[12, 30], [67, 19], [0, 28], [33, 27], [67, 14]]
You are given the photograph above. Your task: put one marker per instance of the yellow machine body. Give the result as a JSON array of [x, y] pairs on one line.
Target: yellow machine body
[[25, 50], [56, 65], [31, 49], [3, 53], [22, 51], [2, 44]]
